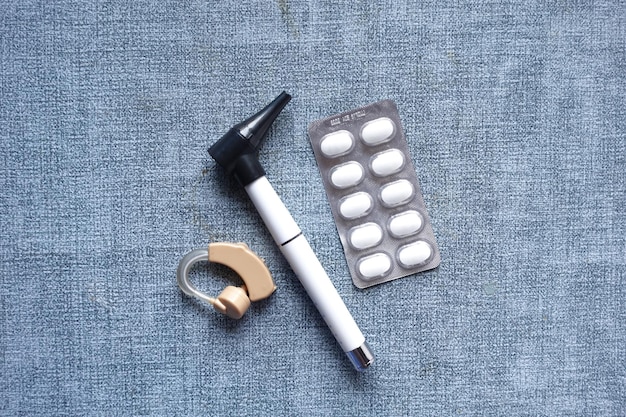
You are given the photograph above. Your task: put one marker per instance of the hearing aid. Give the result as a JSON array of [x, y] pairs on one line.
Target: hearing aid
[[232, 301]]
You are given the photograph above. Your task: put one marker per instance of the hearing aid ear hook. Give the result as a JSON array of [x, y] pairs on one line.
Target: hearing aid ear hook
[[233, 301]]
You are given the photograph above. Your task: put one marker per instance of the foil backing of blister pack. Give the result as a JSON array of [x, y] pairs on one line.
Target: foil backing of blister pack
[[374, 194]]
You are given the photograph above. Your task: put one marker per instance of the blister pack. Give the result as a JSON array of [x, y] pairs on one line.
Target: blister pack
[[374, 194]]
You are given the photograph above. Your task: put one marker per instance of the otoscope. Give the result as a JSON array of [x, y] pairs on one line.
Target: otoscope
[[237, 153]]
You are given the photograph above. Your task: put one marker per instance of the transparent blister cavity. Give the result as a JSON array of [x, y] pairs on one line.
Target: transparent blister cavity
[[355, 206], [336, 144], [374, 194], [365, 236], [405, 224], [415, 254], [347, 175], [377, 131], [387, 162], [374, 266], [396, 193]]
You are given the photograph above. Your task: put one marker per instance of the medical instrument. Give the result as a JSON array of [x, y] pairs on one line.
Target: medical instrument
[[237, 153]]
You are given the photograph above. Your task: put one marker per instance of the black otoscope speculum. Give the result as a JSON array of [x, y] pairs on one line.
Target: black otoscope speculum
[[237, 150]]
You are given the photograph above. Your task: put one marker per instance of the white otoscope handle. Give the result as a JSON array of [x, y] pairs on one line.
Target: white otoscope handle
[[309, 271]]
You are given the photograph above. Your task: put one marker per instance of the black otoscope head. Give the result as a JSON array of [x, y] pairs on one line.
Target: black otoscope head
[[237, 150]]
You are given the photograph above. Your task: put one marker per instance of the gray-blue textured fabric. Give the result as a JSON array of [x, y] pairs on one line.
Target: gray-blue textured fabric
[[515, 116]]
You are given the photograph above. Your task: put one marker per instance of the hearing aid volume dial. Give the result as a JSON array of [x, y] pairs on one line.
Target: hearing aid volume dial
[[232, 301]]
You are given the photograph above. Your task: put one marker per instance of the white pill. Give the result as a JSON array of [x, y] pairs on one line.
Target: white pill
[[397, 193], [387, 162], [337, 143], [374, 266], [365, 236], [355, 205], [415, 254], [347, 175], [378, 131], [406, 223]]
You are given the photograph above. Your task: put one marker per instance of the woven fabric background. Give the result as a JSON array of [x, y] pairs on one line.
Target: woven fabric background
[[515, 114]]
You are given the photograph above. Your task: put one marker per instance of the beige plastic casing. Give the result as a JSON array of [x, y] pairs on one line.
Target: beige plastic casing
[[247, 265]]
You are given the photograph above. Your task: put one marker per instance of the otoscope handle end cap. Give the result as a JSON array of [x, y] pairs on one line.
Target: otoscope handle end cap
[[361, 357]]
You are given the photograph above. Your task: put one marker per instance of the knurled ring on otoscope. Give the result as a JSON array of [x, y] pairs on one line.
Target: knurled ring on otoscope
[[232, 301]]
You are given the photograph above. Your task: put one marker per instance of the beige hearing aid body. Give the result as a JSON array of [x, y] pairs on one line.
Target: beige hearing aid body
[[232, 301]]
